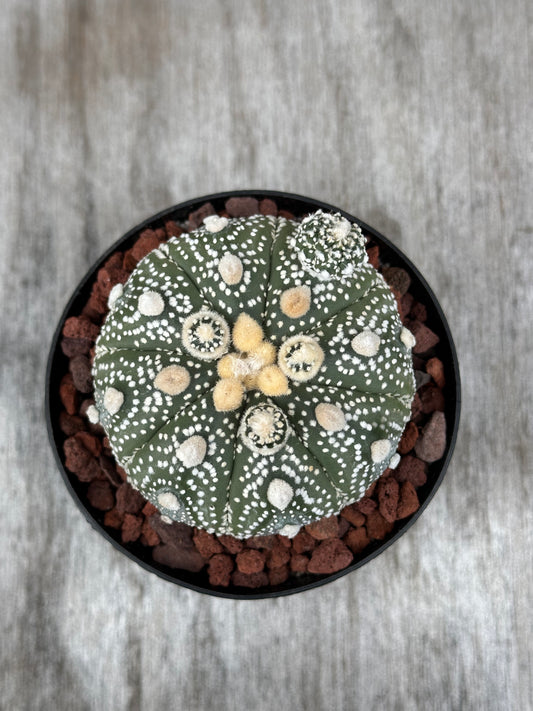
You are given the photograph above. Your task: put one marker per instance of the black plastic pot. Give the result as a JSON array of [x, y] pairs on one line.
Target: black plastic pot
[[298, 205]]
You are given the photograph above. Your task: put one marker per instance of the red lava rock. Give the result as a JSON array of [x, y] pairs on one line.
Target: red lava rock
[[278, 556], [299, 563], [149, 509], [344, 526], [206, 543], [286, 214], [329, 557], [129, 500], [435, 368], [249, 580], [411, 469], [353, 514], [284, 541], [425, 338], [418, 311], [242, 206], [325, 528], [377, 527], [277, 576], [432, 442], [70, 424], [113, 518], [408, 439], [79, 461], [177, 534], [357, 539], [108, 467], [80, 369], [129, 263], [398, 279], [75, 346], [80, 327], [196, 218], [407, 302], [371, 489], [421, 378], [91, 443], [172, 229], [147, 241], [408, 503], [250, 561], [261, 542], [373, 256], [219, 570], [366, 505], [388, 495], [431, 398], [100, 495], [231, 544], [68, 394], [131, 528], [416, 407], [184, 558], [109, 276], [268, 207], [303, 542], [148, 536]]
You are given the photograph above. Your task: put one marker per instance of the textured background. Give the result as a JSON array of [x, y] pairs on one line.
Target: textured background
[[416, 117]]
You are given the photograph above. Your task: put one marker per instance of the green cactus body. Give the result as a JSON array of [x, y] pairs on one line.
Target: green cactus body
[[253, 375]]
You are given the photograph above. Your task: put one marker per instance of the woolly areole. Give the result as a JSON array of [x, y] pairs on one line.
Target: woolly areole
[[253, 375]]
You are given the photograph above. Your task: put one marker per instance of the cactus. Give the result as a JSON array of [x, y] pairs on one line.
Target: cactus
[[253, 375]]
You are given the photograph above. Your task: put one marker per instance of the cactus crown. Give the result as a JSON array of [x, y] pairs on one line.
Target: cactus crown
[[253, 375]]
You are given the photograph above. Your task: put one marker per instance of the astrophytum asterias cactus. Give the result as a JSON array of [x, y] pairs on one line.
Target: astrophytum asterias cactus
[[254, 375]]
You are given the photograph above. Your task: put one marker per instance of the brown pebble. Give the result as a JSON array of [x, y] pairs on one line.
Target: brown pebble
[[411, 469], [147, 241], [148, 536], [353, 514], [70, 424], [113, 518], [277, 576], [388, 495], [268, 207], [231, 544], [183, 558], [131, 528], [72, 347], [431, 398], [129, 500], [398, 279], [196, 218], [435, 368], [357, 539], [68, 394], [431, 444], [250, 561], [408, 438], [100, 495], [377, 527], [278, 556], [408, 503], [219, 570], [329, 557], [176, 534], [425, 338], [80, 327], [373, 256], [299, 563], [366, 505], [325, 528], [303, 542], [206, 543], [249, 580], [242, 206], [80, 369]]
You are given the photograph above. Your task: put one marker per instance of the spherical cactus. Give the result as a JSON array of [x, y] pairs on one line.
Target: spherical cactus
[[253, 375]]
